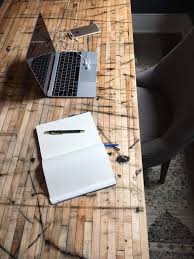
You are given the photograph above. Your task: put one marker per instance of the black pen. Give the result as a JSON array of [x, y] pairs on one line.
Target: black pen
[[60, 132]]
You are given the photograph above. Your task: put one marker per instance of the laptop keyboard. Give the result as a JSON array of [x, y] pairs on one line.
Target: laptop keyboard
[[67, 75], [40, 66]]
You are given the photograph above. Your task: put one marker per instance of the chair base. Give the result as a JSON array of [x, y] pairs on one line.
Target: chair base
[[163, 172]]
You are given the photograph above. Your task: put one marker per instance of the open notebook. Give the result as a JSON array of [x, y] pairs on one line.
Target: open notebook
[[75, 163]]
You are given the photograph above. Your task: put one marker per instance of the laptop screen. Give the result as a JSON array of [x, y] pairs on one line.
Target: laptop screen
[[40, 43]]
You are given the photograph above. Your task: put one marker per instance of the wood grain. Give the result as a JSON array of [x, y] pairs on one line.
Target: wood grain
[[109, 223]]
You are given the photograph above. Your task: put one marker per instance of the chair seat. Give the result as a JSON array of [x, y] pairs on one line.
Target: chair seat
[[154, 114]]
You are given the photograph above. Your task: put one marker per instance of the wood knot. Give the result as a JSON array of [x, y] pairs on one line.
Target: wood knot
[[8, 48], [139, 209]]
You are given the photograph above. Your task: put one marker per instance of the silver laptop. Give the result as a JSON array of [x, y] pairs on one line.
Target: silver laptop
[[60, 74]]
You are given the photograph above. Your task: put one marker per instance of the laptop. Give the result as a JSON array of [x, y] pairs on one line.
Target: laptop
[[60, 74]]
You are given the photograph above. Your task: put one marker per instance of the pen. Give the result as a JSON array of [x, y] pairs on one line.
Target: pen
[[111, 145], [60, 132]]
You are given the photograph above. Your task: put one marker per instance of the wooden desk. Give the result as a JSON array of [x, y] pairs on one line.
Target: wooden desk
[[110, 223]]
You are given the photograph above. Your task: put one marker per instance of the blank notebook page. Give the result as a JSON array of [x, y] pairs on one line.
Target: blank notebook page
[[56, 145], [78, 173]]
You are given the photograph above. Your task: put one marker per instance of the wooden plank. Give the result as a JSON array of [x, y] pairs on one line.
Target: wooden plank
[[109, 223]]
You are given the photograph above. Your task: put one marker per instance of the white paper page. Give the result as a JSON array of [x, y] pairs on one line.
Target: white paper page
[[78, 173], [56, 145]]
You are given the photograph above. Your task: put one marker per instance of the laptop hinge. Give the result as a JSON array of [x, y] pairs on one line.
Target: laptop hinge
[[53, 74], [49, 72]]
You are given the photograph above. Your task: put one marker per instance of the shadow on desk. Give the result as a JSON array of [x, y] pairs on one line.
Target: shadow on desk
[[18, 84], [39, 183], [40, 179]]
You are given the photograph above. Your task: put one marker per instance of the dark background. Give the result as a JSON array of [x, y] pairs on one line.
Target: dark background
[[163, 6]]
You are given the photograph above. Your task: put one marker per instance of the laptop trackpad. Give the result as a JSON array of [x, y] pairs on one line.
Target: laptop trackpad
[[86, 89]]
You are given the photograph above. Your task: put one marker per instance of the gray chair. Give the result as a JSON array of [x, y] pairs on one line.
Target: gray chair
[[166, 106]]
